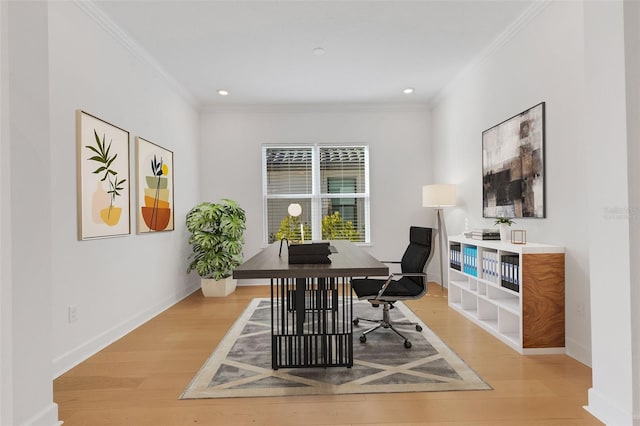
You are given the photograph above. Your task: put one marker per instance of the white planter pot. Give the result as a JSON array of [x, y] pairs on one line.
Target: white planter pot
[[505, 233], [217, 288]]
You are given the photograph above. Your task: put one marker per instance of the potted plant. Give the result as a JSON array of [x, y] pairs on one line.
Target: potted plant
[[217, 238], [504, 223]]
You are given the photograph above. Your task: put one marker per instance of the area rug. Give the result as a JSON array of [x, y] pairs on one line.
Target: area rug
[[241, 364]]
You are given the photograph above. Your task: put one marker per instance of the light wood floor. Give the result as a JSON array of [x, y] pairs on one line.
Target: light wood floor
[[137, 380]]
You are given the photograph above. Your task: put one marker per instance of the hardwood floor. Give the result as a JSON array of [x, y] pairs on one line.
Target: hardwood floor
[[137, 380]]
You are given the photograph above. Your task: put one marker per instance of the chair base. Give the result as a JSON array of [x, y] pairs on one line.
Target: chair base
[[385, 322]]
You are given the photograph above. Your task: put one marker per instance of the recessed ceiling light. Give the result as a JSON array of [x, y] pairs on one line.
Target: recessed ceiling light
[[408, 90], [318, 51], [223, 92]]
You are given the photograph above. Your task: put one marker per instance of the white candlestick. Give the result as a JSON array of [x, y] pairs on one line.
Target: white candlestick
[[302, 232]]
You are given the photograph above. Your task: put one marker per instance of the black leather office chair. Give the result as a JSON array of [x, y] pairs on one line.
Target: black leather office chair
[[412, 283]]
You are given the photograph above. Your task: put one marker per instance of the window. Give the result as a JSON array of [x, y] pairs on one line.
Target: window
[[330, 182]]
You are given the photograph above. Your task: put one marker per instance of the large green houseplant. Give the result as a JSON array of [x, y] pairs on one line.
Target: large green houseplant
[[217, 238]]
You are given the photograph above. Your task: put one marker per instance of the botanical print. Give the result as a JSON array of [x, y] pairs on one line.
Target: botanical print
[[103, 178], [155, 187], [513, 166]]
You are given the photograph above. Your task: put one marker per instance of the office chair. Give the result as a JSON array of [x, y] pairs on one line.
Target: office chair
[[412, 283]]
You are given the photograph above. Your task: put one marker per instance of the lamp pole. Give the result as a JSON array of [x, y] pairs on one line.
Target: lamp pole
[[440, 223], [438, 196]]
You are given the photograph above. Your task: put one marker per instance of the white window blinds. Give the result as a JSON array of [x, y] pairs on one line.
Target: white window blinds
[[331, 183]]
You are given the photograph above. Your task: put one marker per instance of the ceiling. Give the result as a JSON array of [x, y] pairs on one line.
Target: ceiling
[[262, 52]]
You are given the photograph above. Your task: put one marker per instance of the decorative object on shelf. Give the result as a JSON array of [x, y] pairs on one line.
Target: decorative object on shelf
[[217, 238], [518, 236], [504, 223], [103, 178], [513, 166], [485, 234], [155, 187], [439, 196]]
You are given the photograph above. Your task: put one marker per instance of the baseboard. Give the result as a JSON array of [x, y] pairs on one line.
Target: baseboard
[[48, 416], [607, 411], [578, 352], [67, 361]]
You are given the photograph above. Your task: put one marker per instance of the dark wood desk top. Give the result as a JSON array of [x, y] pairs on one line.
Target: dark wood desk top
[[349, 261]]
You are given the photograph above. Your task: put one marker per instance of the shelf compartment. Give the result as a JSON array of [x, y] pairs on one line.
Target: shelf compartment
[[508, 323], [489, 265], [469, 302], [487, 311], [454, 292], [466, 284], [482, 288]]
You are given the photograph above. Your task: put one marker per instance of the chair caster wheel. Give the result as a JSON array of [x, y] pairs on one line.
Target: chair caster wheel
[[418, 328], [356, 321], [407, 344], [363, 338]]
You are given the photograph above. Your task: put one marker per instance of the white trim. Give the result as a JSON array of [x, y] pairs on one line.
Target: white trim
[[101, 18], [578, 351], [48, 416], [607, 411], [506, 36], [313, 108], [67, 361]]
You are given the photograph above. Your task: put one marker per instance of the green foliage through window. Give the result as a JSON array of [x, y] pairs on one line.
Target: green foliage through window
[[334, 227]]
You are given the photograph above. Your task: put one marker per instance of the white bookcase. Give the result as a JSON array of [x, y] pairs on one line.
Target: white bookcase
[[514, 291]]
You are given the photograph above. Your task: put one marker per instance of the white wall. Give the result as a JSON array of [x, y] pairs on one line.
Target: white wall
[[611, 397], [6, 334], [632, 63], [543, 61], [399, 147], [27, 353], [116, 283]]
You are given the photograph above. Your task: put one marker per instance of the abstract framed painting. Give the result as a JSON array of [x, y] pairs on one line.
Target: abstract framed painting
[[155, 187], [513, 177], [103, 178]]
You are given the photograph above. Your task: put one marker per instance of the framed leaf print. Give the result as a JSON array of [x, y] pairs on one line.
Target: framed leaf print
[[155, 187], [103, 178]]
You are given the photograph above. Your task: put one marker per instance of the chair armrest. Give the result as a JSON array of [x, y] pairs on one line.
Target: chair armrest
[[387, 261], [398, 274]]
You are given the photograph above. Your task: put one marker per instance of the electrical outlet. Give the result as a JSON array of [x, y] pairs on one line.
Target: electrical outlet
[[73, 313]]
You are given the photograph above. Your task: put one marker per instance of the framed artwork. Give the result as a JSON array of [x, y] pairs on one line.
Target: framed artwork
[[103, 178], [513, 166], [155, 187]]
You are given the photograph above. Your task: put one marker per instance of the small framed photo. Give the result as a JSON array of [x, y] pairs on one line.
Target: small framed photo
[[518, 236]]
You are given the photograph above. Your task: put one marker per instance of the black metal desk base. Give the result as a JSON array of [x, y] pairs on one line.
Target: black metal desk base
[[311, 322]]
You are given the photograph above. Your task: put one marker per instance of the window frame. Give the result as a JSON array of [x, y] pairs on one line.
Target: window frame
[[316, 197]]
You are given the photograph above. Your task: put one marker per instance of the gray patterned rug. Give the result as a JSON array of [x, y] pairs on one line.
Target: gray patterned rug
[[241, 364]]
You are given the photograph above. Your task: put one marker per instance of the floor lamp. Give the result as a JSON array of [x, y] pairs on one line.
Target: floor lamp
[[437, 197]]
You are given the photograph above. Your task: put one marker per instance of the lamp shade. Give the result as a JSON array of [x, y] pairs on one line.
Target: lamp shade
[[294, 209], [440, 195]]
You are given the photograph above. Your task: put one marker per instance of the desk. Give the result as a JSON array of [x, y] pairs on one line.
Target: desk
[[311, 305]]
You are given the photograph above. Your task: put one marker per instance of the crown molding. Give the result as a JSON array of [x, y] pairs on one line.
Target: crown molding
[[294, 108], [505, 37], [106, 23]]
